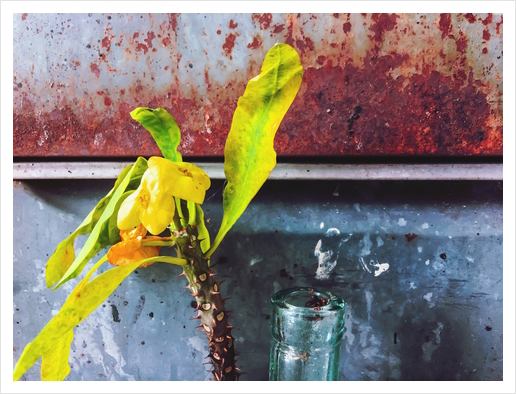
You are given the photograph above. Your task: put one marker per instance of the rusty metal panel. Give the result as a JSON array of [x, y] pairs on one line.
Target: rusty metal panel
[[374, 84]]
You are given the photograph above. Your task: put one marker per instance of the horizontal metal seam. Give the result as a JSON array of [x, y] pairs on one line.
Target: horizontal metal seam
[[283, 171]]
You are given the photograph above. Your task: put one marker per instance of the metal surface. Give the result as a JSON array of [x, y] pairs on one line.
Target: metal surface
[[418, 264], [107, 170], [374, 84]]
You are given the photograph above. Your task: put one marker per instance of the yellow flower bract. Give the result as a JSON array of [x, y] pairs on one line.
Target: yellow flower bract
[[152, 204]]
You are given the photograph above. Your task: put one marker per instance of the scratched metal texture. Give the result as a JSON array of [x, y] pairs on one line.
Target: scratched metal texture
[[434, 314], [374, 84]]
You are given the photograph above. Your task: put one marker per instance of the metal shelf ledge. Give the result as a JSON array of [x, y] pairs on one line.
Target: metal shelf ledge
[[283, 171]]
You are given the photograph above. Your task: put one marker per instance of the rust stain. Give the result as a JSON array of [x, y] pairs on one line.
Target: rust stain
[[470, 18], [255, 44], [306, 43], [461, 42], [498, 26], [24, 16], [95, 69], [263, 19], [425, 114], [488, 20], [278, 28], [445, 25], [383, 23], [150, 37], [229, 44], [391, 91], [321, 59], [142, 47], [173, 22]]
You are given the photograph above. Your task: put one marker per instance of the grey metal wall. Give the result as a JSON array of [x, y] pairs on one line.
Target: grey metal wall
[[434, 314]]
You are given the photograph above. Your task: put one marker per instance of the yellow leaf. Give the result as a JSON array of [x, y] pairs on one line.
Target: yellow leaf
[[82, 301], [54, 364], [249, 152]]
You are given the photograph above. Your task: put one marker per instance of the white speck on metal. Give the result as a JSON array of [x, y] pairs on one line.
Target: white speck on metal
[[381, 268]]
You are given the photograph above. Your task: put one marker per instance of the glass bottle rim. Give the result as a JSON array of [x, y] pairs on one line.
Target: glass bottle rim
[[280, 300]]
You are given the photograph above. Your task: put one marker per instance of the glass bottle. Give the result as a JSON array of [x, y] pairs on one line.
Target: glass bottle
[[307, 327]]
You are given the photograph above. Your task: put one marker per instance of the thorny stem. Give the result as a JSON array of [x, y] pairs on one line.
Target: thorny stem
[[211, 311]]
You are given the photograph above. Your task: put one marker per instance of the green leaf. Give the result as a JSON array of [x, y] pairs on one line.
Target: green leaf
[[163, 128], [64, 255], [249, 151], [83, 300], [54, 363], [179, 210], [202, 231], [92, 245], [192, 212]]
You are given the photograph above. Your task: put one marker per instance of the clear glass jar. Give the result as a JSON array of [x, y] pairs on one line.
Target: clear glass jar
[[306, 339]]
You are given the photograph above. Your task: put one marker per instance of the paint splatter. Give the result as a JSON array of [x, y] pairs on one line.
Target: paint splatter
[[402, 222], [427, 262], [428, 296], [326, 265], [381, 268], [255, 260], [424, 226], [419, 249], [366, 241], [364, 266], [321, 226]]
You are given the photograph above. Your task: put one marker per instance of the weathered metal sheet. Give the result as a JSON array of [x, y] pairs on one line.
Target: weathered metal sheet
[[374, 84], [435, 314]]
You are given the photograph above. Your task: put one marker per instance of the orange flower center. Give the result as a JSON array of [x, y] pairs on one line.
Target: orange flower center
[[186, 172], [144, 200]]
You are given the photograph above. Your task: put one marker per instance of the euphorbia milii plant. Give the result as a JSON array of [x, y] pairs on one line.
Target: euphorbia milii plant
[[156, 203]]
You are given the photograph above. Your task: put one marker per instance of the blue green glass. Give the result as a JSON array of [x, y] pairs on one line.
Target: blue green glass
[[306, 340]]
